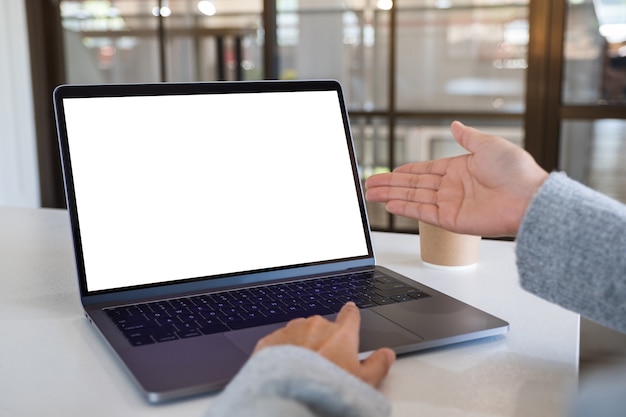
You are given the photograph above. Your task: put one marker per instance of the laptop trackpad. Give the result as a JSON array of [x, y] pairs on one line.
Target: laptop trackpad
[[246, 339], [376, 332]]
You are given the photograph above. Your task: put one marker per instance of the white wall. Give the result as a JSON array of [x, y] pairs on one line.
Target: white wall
[[19, 181]]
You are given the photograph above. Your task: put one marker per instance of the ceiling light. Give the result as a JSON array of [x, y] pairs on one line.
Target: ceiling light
[[165, 11], [206, 7], [384, 4], [614, 32]]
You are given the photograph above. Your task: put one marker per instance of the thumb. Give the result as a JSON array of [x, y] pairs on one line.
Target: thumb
[[468, 137], [377, 365]]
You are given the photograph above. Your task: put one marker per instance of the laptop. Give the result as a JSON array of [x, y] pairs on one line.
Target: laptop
[[206, 215]]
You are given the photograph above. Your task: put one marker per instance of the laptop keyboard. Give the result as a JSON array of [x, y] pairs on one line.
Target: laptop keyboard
[[193, 316]]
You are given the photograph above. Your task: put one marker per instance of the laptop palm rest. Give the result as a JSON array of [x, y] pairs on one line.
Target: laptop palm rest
[[170, 370]]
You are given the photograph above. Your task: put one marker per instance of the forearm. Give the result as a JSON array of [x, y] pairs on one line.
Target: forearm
[[288, 380], [571, 250]]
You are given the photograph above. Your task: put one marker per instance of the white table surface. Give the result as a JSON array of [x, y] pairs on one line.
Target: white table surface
[[53, 363]]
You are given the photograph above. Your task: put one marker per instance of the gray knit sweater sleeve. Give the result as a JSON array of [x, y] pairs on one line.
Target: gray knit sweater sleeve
[[292, 381], [571, 250]]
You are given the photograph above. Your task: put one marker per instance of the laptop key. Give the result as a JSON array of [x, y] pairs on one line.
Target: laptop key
[[278, 318], [140, 340], [313, 309], [167, 321], [209, 327], [392, 291], [418, 295], [384, 279], [273, 312], [136, 325], [295, 310], [382, 300], [185, 334], [365, 304], [390, 286], [188, 325], [231, 319], [165, 337]]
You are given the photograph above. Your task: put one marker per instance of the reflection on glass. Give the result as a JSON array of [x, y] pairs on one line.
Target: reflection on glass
[[426, 140], [118, 41], [594, 153], [459, 58], [595, 52], [329, 39], [371, 137]]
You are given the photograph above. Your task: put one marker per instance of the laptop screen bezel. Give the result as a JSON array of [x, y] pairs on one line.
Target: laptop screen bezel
[[218, 281]]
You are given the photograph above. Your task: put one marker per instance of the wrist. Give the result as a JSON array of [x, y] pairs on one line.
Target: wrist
[[533, 185]]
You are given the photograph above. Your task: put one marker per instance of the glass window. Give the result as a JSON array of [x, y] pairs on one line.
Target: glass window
[[595, 52], [594, 153], [432, 139], [450, 56], [329, 39], [371, 138], [119, 41], [454, 56], [100, 45]]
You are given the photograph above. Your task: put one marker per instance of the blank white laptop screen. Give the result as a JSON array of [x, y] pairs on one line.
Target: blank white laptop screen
[[186, 186]]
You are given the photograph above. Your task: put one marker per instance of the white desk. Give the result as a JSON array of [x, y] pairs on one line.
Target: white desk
[[53, 363]]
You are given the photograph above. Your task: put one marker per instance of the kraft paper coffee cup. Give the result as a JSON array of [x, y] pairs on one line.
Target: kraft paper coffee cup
[[442, 249]]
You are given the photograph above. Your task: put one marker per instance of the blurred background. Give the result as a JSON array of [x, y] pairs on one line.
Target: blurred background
[[549, 75]]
